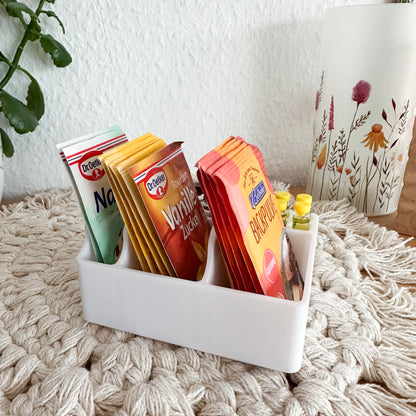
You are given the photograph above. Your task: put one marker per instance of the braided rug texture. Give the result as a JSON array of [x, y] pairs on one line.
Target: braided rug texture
[[360, 347]]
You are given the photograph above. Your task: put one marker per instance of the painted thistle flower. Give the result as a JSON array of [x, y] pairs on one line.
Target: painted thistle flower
[[339, 168], [375, 138], [348, 171], [331, 115], [361, 92]]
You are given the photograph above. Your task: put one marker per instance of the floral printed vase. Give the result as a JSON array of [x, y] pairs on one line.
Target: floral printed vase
[[365, 106]]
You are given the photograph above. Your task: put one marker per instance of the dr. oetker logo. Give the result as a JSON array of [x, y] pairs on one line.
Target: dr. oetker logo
[[156, 183], [90, 166]]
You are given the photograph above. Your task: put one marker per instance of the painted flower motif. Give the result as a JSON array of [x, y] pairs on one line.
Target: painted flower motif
[[317, 100], [321, 159], [339, 168], [352, 179], [375, 138], [361, 92], [331, 115], [348, 171]]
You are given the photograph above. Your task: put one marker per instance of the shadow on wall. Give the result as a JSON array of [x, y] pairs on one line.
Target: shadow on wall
[[284, 77]]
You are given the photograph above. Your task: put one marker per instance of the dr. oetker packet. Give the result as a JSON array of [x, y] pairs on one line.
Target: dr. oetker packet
[[96, 198]]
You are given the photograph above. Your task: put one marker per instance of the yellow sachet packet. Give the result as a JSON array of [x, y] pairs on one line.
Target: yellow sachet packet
[[144, 238], [139, 209], [124, 207]]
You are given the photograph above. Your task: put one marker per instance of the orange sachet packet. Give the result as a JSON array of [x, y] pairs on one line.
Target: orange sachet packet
[[169, 194], [241, 271], [248, 201], [247, 262], [232, 255]]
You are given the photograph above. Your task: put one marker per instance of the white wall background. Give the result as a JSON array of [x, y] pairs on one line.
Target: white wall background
[[190, 70]]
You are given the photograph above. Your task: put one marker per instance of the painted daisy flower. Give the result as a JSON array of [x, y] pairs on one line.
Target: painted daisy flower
[[375, 138]]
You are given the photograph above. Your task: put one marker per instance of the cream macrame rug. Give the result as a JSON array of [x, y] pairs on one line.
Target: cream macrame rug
[[360, 348]]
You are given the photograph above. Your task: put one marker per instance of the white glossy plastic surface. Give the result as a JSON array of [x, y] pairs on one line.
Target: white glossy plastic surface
[[206, 315]]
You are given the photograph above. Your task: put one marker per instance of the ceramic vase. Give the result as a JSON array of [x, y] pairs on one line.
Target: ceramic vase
[[365, 106]]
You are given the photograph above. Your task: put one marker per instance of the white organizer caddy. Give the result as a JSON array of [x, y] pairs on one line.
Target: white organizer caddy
[[206, 315]]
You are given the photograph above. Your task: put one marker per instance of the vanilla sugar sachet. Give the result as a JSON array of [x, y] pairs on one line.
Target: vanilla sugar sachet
[[170, 197]]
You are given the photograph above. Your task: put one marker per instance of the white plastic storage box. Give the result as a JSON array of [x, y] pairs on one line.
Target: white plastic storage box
[[206, 315]]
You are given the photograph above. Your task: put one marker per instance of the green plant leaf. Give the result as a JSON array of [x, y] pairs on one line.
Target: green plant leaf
[[17, 9], [20, 117], [7, 1], [60, 56], [33, 30], [35, 100], [6, 144], [49, 13]]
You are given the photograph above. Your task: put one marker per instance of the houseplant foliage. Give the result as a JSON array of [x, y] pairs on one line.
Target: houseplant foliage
[[24, 116]]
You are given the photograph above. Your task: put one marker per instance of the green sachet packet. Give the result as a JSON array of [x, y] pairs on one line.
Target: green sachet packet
[[102, 216]]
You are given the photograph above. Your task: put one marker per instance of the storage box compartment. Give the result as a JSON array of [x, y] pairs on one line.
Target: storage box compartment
[[206, 315]]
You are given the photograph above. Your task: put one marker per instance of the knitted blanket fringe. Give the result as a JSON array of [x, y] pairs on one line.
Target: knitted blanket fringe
[[360, 346]]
